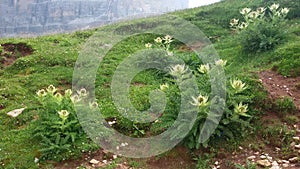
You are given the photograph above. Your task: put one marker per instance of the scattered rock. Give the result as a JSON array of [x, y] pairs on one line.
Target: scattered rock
[[297, 146], [93, 161], [251, 157], [293, 160], [16, 113], [263, 157], [296, 138], [285, 161], [264, 163], [285, 165]]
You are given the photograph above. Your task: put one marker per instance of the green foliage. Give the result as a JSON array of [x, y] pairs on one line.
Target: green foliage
[[249, 165], [285, 106], [57, 127], [263, 29], [202, 163]]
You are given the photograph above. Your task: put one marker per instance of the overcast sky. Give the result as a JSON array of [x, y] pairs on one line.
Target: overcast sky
[[195, 3]]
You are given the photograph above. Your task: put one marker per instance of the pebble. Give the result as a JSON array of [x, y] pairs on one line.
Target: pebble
[[296, 138], [93, 161], [293, 160], [285, 161], [293, 144], [285, 165], [251, 157], [264, 163], [277, 149], [16, 113], [241, 148], [263, 157], [297, 146]]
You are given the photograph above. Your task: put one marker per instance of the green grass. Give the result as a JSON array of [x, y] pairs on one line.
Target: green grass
[[54, 57]]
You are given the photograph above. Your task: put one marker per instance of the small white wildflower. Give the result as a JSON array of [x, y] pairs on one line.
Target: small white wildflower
[[169, 53], [93, 105], [68, 92], [51, 89], [63, 114], [115, 156], [204, 68], [245, 11], [178, 70], [200, 101], [148, 45], [274, 7], [164, 87], [58, 97], [82, 92], [278, 14], [117, 147], [234, 22], [253, 15], [126, 144], [261, 10], [221, 62], [123, 145], [75, 98], [285, 11], [243, 25], [41, 93], [241, 109], [238, 85], [168, 39], [36, 160], [158, 40]]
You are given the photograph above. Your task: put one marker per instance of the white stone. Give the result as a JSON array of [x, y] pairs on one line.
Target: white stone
[[296, 138], [285, 161], [16, 113], [263, 157], [285, 165], [251, 157], [297, 146], [293, 160], [93, 161], [264, 163]]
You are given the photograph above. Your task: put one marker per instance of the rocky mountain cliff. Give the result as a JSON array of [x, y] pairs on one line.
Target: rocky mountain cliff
[[43, 16]]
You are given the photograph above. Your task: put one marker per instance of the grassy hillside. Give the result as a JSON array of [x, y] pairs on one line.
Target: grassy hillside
[[53, 59]]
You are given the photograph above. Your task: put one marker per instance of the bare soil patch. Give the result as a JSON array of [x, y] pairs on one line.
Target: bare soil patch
[[279, 86], [14, 51]]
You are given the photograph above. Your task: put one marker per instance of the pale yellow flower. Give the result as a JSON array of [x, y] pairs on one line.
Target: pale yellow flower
[[82, 92], [41, 93], [75, 98], [68, 92], [274, 7], [243, 25], [63, 114], [178, 70], [164, 87], [168, 39], [234, 22], [204, 68], [200, 101], [241, 109], [261, 10], [253, 15], [148, 45], [51, 89], [58, 96], [221, 62], [285, 11], [245, 11], [93, 105], [158, 40], [238, 85]]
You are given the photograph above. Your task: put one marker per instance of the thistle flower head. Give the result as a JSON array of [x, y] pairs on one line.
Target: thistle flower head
[[178, 70], [204, 68], [238, 85], [243, 25], [75, 98], [82, 92], [261, 10], [221, 62], [245, 11], [51, 89], [93, 105], [63, 114], [68, 92], [148, 45], [241, 109], [274, 7], [234, 22], [168, 39], [158, 40], [200, 101], [285, 11], [58, 97], [253, 15], [41, 93], [164, 87]]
